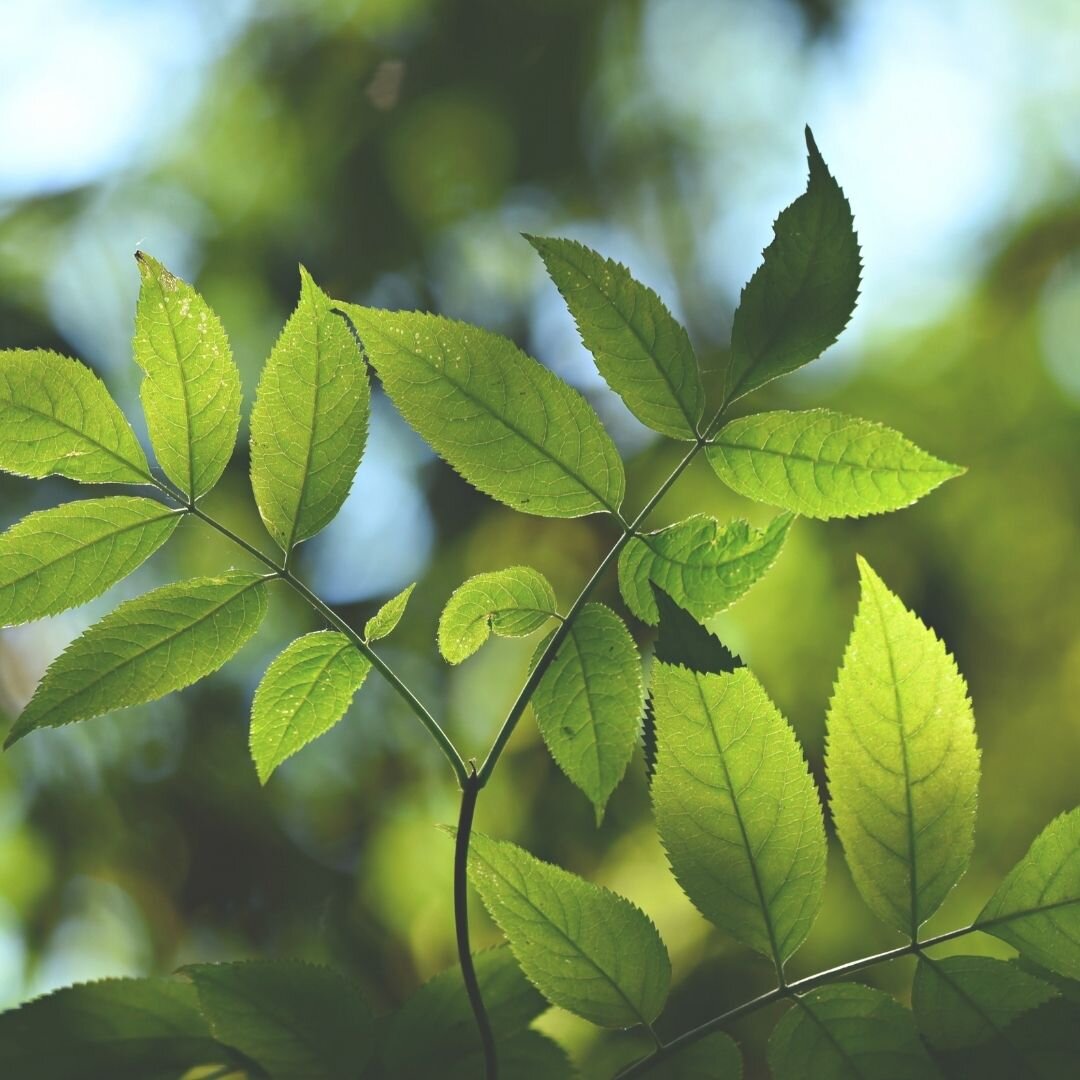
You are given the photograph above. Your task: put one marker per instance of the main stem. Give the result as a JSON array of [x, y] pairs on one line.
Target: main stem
[[779, 993]]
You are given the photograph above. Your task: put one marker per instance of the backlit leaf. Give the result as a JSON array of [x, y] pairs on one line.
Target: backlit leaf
[[803, 294], [123, 1029], [384, 622], [702, 565], [309, 423], [902, 762], [303, 694], [823, 464], [643, 353], [148, 647], [297, 1021], [56, 417], [585, 949], [513, 603], [60, 558], [1036, 909], [505, 422], [191, 393], [848, 1032], [588, 703], [966, 1000], [736, 808]]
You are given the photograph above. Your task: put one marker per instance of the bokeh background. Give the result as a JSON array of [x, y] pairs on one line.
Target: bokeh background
[[398, 148]]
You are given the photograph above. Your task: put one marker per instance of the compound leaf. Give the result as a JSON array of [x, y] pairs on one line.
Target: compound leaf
[[1036, 909], [848, 1032], [384, 622], [823, 464], [57, 418], [162, 641], [736, 808], [297, 1021], [191, 393], [585, 948], [127, 1029], [310, 419], [962, 1001], [512, 602], [901, 760], [803, 294], [436, 1025], [303, 694], [702, 565], [588, 703], [60, 558], [509, 426], [643, 353]]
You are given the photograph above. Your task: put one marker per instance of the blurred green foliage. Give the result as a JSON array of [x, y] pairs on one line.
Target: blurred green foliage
[[396, 149]]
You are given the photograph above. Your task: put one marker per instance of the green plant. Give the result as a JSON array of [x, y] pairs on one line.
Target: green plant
[[736, 807]]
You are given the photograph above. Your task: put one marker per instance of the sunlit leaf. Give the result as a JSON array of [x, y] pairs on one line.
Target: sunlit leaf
[[56, 417], [303, 694], [384, 622], [588, 703], [148, 647], [1036, 909], [513, 603], [505, 422], [123, 1029], [585, 949], [702, 565], [297, 1021], [965, 1000], [309, 423], [901, 760], [823, 464], [803, 294], [848, 1032], [737, 810], [641, 350], [191, 393], [60, 558]]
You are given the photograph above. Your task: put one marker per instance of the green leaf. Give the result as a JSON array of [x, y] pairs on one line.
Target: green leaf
[[901, 760], [148, 647], [1036, 909], [503, 421], [303, 694], [643, 353], [310, 419], [588, 703], [124, 1029], [513, 603], [57, 418], [736, 808], [436, 1027], [965, 1000], [823, 464], [384, 622], [716, 1057], [702, 565], [297, 1021], [682, 640], [848, 1032], [60, 558], [584, 948], [803, 294], [191, 393]]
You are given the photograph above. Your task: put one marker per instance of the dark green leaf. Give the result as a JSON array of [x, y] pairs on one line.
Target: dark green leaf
[[803, 294]]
